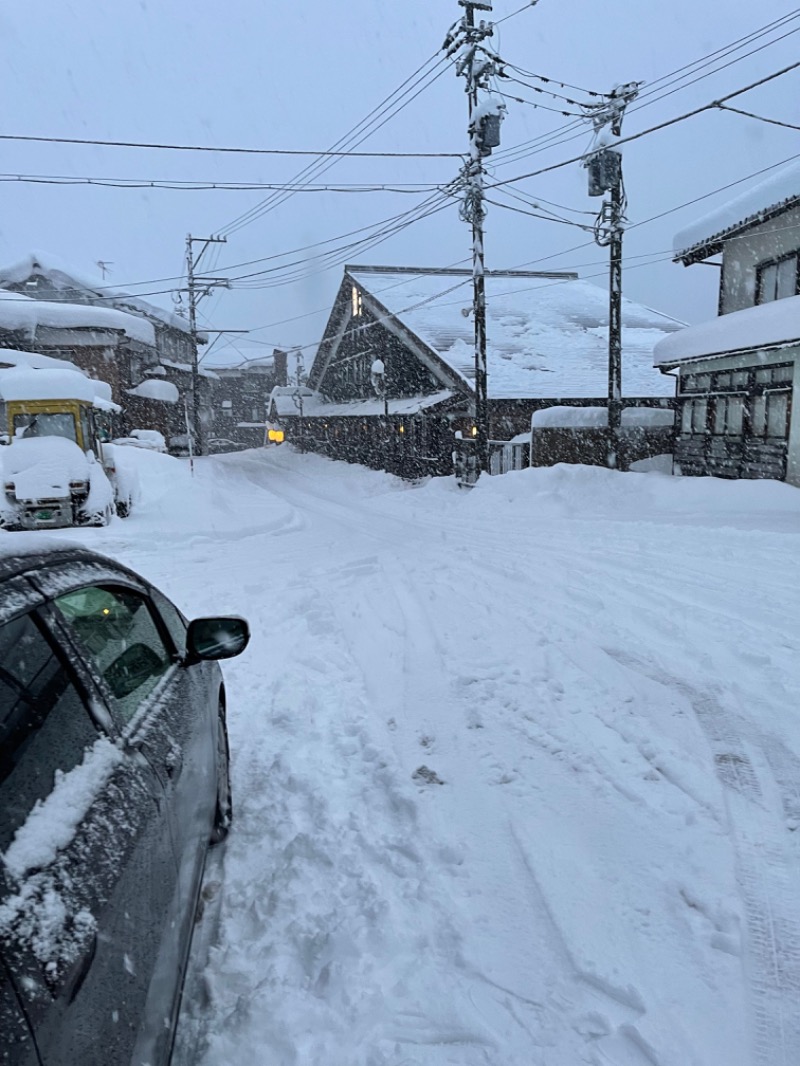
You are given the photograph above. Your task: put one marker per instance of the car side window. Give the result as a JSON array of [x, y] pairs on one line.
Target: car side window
[[117, 629], [44, 725], [173, 619]]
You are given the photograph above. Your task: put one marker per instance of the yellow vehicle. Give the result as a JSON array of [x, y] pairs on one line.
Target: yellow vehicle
[[57, 470]]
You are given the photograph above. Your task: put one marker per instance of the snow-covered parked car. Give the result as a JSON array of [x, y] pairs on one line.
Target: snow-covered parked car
[[49, 482], [113, 784], [150, 439], [56, 470]]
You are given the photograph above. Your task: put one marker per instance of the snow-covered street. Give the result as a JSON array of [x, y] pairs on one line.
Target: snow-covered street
[[516, 771]]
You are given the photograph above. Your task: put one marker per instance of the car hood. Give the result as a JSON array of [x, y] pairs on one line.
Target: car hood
[[42, 467]]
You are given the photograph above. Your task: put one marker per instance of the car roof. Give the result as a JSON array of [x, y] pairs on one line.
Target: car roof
[[16, 560]]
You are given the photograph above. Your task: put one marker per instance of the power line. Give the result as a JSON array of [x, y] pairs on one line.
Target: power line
[[655, 88], [355, 137], [659, 126], [761, 118], [206, 186], [240, 151]]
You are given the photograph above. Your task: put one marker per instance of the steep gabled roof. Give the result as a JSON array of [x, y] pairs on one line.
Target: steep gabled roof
[[769, 198], [547, 337]]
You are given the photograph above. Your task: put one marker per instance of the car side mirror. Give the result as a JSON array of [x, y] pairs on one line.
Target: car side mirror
[[216, 638]]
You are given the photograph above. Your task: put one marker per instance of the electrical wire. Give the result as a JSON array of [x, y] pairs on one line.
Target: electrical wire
[[217, 148], [544, 142], [354, 137], [417, 188], [661, 125], [761, 118]]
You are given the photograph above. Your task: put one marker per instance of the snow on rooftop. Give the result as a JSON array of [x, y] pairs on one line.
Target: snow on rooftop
[[545, 338], [12, 357], [238, 359], [781, 188], [64, 276], [767, 325], [25, 383], [153, 389], [186, 368], [19, 312], [406, 405]]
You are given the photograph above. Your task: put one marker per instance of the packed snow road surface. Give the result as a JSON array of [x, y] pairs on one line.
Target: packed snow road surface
[[516, 771]]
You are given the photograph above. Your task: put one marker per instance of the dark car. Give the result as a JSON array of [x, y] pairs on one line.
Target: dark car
[[113, 784]]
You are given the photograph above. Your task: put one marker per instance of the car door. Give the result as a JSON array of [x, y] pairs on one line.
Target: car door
[[86, 854], [162, 711]]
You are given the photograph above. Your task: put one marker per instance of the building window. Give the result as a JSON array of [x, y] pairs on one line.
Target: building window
[[227, 407], [355, 297], [729, 416], [694, 414], [778, 279]]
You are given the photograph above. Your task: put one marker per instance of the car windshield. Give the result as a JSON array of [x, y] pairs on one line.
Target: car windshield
[[46, 424]]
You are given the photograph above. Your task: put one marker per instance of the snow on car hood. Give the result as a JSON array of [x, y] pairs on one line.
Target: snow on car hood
[[42, 467]]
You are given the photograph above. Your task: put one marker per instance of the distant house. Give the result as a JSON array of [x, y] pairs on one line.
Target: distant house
[[102, 341], [240, 394], [739, 374], [393, 377], [152, 337]]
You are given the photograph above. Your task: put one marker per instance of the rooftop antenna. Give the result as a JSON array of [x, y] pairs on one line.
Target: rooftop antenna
[[104, 264]]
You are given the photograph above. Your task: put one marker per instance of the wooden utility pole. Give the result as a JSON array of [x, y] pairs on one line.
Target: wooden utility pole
[[477, 65], [197, 288], [604, 163]]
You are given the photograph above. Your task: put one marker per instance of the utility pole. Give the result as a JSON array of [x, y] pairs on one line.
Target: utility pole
[[604, 163], [477, 65], [197, 288]]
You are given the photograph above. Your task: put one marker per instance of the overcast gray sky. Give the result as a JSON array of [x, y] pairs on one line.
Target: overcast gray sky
[[301, 75]]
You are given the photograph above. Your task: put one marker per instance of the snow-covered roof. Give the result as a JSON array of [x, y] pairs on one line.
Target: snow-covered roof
[[771, 325], [545, 338], [24, 383], [282, 399], [317, 406], [153, 389], [186, 368], [239, 359], [18, 312], [63, 276], [704, 237], [10, 357]]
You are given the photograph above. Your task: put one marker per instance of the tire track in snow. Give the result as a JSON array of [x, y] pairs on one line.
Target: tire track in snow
[[767, 861]]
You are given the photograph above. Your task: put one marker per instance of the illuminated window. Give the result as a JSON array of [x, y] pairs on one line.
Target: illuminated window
[[355, 296]]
